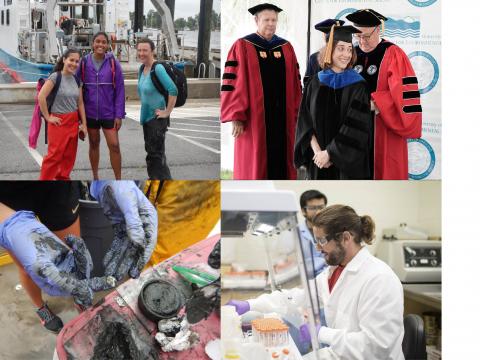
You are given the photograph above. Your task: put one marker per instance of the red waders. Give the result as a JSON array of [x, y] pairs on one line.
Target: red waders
[[62, 148]]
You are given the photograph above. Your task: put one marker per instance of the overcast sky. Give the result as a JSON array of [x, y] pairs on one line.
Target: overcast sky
[[183, 8]]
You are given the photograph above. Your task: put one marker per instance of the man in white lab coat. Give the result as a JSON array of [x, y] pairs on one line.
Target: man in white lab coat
[[363, 297]]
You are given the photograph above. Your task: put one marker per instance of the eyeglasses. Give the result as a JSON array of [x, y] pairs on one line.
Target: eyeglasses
[[365, 37], [314, 208], [325, 239]]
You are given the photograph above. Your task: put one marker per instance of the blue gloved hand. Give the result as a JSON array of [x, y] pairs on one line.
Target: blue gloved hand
[[83, 265], [305, 336], [134, 221], [241, 307], [53, 266]]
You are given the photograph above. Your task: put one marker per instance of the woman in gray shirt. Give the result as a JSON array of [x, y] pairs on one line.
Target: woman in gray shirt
[[61, 104]]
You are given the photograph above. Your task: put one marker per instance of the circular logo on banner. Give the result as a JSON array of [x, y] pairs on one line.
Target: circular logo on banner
[[372, 69], [422, 3], [427, 70], [358, 68], [421, 159]]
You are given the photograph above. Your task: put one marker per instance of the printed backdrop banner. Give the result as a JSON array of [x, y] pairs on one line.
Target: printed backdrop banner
[[414, 25]]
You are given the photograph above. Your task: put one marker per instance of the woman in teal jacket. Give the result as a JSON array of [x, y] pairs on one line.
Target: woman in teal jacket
[[155, 111]]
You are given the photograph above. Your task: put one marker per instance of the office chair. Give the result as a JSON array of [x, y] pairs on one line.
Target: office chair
[[413, 345]]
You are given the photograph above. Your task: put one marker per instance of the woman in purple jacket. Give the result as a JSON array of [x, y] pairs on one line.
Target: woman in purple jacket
[[104, 97]]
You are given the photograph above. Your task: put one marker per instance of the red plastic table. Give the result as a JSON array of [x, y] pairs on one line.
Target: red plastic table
[[79, 336]]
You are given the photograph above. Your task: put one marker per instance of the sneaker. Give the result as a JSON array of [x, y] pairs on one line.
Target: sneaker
[[49, 320]]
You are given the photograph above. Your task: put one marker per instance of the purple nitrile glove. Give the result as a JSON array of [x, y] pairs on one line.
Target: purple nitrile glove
[[241, 307], [305, 336]]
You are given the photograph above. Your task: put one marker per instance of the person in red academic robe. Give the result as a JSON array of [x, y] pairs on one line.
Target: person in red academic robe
[[394, 93], [261, 95]]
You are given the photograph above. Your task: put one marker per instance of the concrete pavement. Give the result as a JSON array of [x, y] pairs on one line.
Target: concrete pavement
[[192, 145]]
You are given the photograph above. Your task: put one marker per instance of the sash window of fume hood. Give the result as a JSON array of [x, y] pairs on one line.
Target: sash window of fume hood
[[269, 239]]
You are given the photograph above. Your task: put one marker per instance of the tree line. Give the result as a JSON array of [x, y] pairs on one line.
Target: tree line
[[153, 20]]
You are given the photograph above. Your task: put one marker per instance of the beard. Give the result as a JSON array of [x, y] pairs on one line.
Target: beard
[[336, 256]]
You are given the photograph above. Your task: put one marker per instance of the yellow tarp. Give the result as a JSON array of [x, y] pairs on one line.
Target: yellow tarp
[[187, 212], [5, 259]]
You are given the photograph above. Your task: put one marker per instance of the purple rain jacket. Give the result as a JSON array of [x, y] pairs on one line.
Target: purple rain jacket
[[102, 100]]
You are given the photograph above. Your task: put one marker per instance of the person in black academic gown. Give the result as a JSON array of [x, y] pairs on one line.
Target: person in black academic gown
[[313, 66], [334, 128]]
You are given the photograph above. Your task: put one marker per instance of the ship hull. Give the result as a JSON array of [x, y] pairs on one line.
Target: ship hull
[[15, 70]]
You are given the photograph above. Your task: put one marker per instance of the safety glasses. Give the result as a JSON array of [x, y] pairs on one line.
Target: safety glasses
[[314, 208], [325, 239]]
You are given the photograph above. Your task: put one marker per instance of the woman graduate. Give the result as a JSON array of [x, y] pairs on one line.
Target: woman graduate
[[333, 134]]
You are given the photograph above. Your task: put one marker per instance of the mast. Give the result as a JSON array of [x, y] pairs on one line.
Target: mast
[[138, 16], [204, 30], [51, 30]]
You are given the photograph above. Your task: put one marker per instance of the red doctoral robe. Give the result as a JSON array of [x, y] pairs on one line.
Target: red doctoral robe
[[394, 89], [255, 70]]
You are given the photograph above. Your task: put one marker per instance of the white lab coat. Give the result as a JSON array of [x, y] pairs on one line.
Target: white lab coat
[[364, 312]]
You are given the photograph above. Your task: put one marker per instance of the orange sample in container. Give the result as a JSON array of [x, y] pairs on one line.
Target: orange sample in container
[[270, 332]]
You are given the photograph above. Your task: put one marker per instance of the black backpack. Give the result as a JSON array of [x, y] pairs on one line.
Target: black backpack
[[177, 76]]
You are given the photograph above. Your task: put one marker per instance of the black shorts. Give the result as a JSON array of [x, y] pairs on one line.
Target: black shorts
[[54, 202], [100, 123]]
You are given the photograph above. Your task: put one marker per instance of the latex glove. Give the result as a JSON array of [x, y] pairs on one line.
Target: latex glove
[[241, 307], [305, 336], [134, 221], [50, 263]]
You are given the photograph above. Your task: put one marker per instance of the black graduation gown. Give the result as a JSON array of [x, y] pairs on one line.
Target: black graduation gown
[[313, 67], [336, 108]]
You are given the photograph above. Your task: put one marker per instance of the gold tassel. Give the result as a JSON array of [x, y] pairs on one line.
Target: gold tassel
[[328, 50]]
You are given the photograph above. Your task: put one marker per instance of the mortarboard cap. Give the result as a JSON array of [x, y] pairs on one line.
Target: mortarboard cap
[[265, 6], [340, 33], [366, 18], [327, 24]]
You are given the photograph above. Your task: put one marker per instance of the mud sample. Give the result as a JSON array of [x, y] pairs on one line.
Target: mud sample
[[102, 283], [116, 343], [159, 299], [214, 257], [170, 327], [202, 302]]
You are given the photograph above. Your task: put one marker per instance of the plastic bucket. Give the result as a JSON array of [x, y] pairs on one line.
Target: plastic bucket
[[97, 232]]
